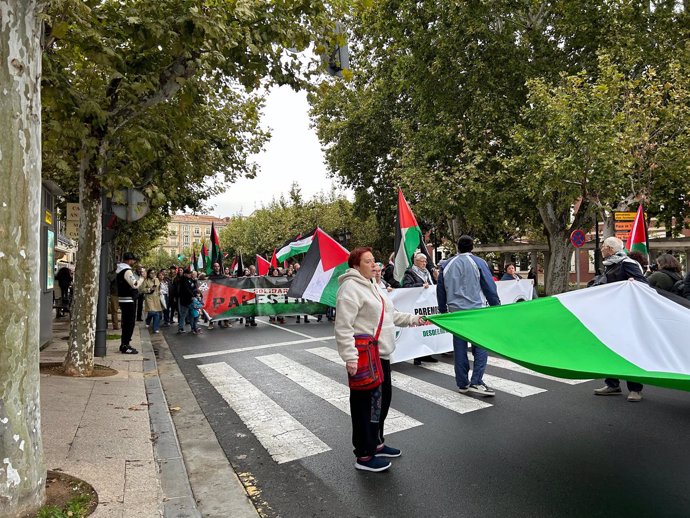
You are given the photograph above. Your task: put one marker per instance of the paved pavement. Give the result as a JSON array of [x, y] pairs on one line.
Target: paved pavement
[[275, 397], [117, 434]]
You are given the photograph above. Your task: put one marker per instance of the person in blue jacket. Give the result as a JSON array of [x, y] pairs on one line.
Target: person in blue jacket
[[465, 282]]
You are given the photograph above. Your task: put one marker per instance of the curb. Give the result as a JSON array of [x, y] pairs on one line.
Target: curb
[[218, 490], [178, 500]]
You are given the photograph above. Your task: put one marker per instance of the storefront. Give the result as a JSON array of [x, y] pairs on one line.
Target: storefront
[[48, 227]]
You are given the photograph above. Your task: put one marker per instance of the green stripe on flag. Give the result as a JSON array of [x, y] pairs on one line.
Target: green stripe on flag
[[331, 290], [545, 336], [413, 237]]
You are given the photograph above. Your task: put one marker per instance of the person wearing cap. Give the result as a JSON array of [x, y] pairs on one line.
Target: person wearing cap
[[127, 290]]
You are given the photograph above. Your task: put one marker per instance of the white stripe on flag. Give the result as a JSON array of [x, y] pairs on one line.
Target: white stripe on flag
[[511, 387], [507, 364], [443, 397], [318, 283], [331, 391], [285, 438]]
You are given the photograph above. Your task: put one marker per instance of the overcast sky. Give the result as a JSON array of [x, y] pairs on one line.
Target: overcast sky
[[292, 155]]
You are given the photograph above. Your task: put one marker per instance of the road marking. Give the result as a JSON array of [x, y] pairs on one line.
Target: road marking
[[266, 322], [255, 348], [443, 397], [511, 387], [331, 391], [507, 364], [285, 438]]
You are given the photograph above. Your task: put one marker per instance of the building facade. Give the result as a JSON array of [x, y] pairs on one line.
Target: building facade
[[185, 231]]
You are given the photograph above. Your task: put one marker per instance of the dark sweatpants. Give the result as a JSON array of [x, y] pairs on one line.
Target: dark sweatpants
[[127, 321], [369, 409]]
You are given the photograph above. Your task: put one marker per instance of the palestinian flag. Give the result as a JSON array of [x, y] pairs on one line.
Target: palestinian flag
[[216, 252], [203, 263], [262, 266], [609, 331], [637, 238], [299, 245], [317, 279], [408, 239], [274, 261], [237, 267]]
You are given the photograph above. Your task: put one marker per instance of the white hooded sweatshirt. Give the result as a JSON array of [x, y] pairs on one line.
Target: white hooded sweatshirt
[[358, 309]]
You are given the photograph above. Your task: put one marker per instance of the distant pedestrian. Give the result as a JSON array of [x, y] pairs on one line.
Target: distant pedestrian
[[152, 300], [510, 274]]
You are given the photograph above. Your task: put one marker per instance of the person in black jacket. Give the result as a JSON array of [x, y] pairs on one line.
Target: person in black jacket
[[185, 293], [619, 267], [418, 276]]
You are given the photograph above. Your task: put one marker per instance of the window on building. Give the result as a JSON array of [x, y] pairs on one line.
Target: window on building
[[197, 231], [186, 240], [208, 231]]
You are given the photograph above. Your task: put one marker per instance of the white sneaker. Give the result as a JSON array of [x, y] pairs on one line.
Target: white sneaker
[[481, 390]]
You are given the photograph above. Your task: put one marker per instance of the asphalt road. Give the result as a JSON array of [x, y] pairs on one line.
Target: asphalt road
[[558, 453]]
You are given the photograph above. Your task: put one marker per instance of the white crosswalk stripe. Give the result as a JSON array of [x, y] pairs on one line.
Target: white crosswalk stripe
[[331, 391], [511, 387], [285, 438], [449, 399], [507, 364]]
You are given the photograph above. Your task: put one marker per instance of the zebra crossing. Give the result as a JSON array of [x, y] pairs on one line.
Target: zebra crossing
[[286, 439]]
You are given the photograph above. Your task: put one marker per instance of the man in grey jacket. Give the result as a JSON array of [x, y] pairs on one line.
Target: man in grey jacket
[[465, 282]]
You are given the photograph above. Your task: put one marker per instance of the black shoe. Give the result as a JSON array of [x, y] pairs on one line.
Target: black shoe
[[417, 361], [299, 319], [318, 319], [306, 319], [126, 349], [429, 359], [253, 324]]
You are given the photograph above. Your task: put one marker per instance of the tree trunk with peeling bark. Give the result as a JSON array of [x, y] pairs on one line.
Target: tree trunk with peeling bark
[[558, 227], [22, 465], [82, 332]]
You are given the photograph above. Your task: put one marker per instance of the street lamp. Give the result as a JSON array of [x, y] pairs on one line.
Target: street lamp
[[343, 237]]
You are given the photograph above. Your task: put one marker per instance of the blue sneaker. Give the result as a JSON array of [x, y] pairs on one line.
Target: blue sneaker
[[375, 464], [387, 451]]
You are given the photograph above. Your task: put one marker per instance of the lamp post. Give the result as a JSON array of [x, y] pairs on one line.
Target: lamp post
[[343, 237]]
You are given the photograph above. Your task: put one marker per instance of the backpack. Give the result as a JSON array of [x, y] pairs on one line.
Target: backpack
[[678, 287]]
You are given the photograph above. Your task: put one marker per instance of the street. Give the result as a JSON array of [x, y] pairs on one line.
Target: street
[[276, 398]]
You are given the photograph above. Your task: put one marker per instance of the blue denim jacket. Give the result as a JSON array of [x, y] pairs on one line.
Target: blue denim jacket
[[462, 281]]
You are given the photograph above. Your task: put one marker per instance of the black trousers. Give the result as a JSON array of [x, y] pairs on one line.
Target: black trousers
[[368, 409], [140, 307], [127, 322]]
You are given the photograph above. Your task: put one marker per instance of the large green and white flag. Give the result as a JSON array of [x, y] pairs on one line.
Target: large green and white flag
[[620, 330]]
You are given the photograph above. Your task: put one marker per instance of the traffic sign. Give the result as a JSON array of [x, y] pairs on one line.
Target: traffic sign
[[624, 216], [577, 238]]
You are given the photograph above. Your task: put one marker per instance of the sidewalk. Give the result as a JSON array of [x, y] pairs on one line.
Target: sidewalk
[[100, 430]]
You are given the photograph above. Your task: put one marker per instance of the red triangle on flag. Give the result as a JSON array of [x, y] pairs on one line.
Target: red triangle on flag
[[262, 265], [405, 215], [332, 253]]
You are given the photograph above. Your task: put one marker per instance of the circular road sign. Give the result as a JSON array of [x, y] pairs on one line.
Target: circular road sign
[[577, 238]]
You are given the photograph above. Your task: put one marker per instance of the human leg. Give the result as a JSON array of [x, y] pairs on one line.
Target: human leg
[[181, 317], [481, 356], [462, 364], [155, 320], [128, 310]]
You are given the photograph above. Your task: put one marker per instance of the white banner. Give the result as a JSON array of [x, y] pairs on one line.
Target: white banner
[[413, 342]]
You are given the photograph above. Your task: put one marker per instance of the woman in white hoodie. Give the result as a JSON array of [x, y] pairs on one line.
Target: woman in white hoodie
[[358, 306]]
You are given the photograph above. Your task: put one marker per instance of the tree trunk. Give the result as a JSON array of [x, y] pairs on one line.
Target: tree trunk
[[22, 466], [82, 331], [558, 266]]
